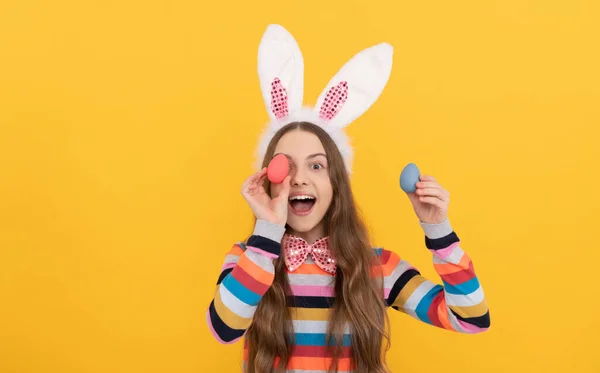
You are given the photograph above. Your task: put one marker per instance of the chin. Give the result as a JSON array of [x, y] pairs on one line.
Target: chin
[[301, 226]]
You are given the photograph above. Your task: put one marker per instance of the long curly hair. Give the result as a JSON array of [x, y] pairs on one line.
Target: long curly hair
[[359, 300]]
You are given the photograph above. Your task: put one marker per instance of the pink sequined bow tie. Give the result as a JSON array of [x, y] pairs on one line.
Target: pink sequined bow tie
[[296, 250]]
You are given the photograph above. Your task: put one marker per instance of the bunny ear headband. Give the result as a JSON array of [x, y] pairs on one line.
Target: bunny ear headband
[[355, 87]]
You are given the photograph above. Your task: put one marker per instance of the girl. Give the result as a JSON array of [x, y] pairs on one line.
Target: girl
[[306, 289]]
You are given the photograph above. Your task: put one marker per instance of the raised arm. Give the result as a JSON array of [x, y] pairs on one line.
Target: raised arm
[[457, 304]]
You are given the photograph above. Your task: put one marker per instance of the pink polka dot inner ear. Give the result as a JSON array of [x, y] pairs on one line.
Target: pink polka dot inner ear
[[278, 168]]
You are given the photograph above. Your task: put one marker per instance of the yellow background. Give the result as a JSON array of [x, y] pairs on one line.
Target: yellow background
[[127, 129]]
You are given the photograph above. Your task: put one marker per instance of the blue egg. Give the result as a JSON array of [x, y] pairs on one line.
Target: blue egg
[[409, 178]]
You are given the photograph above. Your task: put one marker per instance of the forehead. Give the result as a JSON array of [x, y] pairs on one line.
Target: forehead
[[299, 144]]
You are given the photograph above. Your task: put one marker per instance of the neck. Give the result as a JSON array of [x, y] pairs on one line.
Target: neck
[[310, 236]]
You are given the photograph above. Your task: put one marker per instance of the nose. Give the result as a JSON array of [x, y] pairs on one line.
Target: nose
[[298, 177]]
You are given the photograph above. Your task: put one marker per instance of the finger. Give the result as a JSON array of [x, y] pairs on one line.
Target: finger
[[251, 185], [257, 176], [261, 182], [432, 201], [260, 176], [432, 184], [426, 178], [433, 192], [253, 179], [428, 184]]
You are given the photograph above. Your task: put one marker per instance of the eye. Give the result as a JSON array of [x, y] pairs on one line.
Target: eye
[[316, 166]]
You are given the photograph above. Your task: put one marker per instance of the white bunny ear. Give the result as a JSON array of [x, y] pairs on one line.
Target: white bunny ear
[[356, 86], [281, 72]]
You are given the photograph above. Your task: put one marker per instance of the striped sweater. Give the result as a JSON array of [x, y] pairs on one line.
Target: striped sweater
[[457, 304]]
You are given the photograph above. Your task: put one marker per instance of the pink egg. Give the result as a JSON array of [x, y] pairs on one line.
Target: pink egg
[[278, 169]]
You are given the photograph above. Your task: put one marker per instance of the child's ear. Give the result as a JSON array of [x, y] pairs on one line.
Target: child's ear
[[281, 72], [356, 86]]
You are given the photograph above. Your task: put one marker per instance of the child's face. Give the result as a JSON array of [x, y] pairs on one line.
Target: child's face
[[309, 178]]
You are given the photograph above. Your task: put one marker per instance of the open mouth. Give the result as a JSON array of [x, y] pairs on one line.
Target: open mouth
[[302, 204]]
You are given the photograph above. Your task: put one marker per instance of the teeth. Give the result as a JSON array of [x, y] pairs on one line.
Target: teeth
[[301, 198]]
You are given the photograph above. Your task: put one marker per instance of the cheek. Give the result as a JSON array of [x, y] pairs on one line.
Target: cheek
[[326, 193], [328, 198]]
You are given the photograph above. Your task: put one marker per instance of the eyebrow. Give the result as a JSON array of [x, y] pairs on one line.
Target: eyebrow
[[308, 157]]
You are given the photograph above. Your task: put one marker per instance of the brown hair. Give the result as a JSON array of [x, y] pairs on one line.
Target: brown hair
[[359, 299]]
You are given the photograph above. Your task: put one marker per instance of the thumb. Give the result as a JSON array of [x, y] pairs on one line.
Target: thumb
[[284, 192], [281, 201], [285, 188], [413, 197]]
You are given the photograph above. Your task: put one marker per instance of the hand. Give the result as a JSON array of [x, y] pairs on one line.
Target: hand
[[430, 201], [264, 208]]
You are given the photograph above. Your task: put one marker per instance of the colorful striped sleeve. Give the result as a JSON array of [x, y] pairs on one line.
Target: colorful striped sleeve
[[245, 277], [458, 304]]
